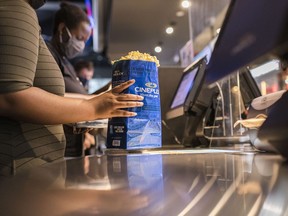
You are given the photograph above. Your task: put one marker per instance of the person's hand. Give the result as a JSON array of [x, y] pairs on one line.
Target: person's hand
[[89, 140], [111, 103], [42, 192], [89, 202], [74, 202]]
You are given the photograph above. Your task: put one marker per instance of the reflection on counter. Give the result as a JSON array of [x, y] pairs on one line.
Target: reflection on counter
[[140, 173], [158, 184]]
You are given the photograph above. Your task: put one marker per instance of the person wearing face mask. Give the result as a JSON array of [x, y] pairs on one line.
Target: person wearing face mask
[[71, 30], [32, 103]]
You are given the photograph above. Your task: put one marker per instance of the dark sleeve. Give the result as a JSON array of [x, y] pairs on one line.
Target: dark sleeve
[[19, 45], [55, 55]]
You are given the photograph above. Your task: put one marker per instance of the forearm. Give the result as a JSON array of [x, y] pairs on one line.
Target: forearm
[[37, 106], [78, 96]]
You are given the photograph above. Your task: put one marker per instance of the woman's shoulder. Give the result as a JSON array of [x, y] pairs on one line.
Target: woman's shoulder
[[18, 14], [17, 7], [16, 3]]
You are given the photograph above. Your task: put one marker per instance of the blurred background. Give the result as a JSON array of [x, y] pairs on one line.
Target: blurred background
[[157, 27]]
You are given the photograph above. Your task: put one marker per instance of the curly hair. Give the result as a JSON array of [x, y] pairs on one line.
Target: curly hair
[[71, 15]]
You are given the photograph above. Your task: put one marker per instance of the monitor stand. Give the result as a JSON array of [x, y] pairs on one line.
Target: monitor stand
[[201, 114], [193, 133]]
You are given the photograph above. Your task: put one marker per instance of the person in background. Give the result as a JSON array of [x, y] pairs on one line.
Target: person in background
[[84, 70], [32, 103], [71, 30]]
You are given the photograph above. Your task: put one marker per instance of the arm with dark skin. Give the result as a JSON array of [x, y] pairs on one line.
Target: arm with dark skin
[[34, 105], [38, 106]]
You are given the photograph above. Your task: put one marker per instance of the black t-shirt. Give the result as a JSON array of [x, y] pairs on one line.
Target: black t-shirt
[[72, 82], [74, 144]]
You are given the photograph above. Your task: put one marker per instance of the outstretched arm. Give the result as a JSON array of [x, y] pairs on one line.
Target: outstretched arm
[[38, 106]]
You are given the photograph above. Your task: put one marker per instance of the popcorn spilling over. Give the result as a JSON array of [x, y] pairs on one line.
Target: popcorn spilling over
[[136, 55]]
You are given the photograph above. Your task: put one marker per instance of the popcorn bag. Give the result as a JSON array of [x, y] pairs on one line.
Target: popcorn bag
[[143, 130]]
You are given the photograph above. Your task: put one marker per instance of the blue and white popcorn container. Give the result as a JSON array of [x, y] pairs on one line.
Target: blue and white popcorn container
[[144, 130]]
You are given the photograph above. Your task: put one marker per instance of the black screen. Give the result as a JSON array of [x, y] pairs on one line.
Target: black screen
[[184, 88], [189, 87]]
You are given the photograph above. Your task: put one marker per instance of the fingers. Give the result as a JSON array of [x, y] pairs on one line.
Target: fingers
[[129, 97], [120, 88], [128, 104], [122, 113], [90, 138]]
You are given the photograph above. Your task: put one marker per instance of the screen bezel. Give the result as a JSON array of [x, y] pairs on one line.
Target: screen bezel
[[198, 83], [179, 85]]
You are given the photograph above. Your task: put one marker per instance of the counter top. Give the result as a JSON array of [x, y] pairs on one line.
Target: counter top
[[183, 182]]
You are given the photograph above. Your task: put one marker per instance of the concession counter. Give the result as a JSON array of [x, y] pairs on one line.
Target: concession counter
[[226, 178], [157, 182]]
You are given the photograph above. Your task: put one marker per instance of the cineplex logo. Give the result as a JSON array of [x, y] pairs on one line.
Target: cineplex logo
[[151, 88]]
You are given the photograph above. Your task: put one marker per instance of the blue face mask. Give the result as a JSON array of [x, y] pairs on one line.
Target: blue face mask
[[36, 3]]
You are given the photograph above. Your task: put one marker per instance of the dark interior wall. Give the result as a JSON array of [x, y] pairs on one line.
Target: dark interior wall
[[168, 82]]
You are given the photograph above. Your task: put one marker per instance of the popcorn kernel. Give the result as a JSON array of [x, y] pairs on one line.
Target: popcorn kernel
[[136, 55]]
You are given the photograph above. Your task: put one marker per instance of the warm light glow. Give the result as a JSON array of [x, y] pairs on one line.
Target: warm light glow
[[169, 30], [263, 88], [180, 13], [286, 80], [185, 3], [158, 49]]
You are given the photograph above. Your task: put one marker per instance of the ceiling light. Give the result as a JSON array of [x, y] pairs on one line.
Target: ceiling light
[[185, 3], [176, 58], [169, 30], [180, 13], [158, 49]]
